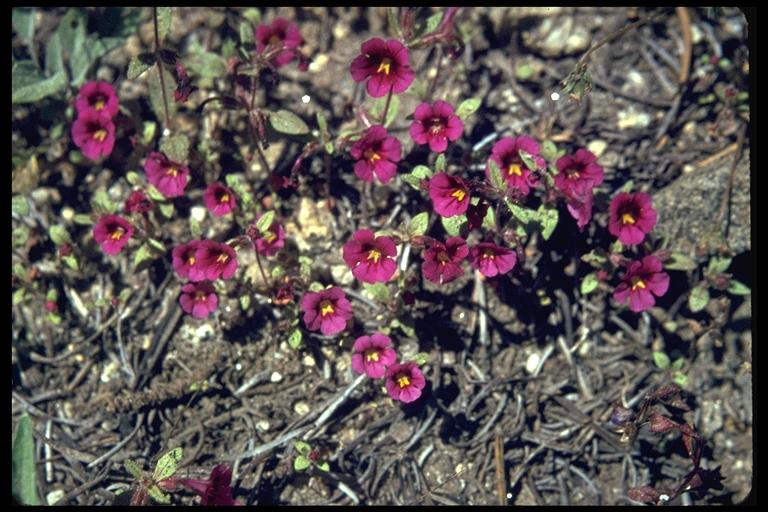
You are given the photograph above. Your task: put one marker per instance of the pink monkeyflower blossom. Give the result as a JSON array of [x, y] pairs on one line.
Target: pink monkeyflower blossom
[[98, 98], [167, 176], [112, 232], [271, 242], [476, 214], [578, 173], [370, 257], [373, 354], [386, 64], [220, 200], [327, 310], [579, 205], [442, 262], [94, 135], [215, 491], [280, 34], [376, 153], [404, 382], [506, 154], [436, 125], [631, 217], [491, 259], [198, 299], [138, 202], [218, 260], [642, 281], [449, 194], [185, 261]]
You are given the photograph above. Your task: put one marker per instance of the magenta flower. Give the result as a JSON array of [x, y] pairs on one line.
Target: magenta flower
[[112, 232], [442, 262], [327, 310], [169, 177], [219, 199], [376, 152], [198, 299], [280, 34], [138, 202], [98, 98], [370, 257], [216, 259], [94, 135], [214, 491], [579, 206], [491, 259], [373, 354], [436, 125], [271, 242], [631, 217], [386, 63], [185, 261], [643, 280], [578, 173], [449, 194], [506, 154], [404, 382]]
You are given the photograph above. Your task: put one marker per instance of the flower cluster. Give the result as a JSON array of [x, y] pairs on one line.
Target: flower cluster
[[112, 232], [279, 42], [374, 356], [197, 261], [371, 257], [436, 125], [93, 131], [167, 176], [327, 311], [577, 176], [219, 199], [506, 155], [376, 153]]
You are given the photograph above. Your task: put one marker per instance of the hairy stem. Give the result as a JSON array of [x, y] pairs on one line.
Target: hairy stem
[[386, 106], [160, 69]]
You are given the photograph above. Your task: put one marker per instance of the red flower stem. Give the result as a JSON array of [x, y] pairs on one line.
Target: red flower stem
[[386, 105], [267, 282], [327, 163], [160, 69], [433, 85]]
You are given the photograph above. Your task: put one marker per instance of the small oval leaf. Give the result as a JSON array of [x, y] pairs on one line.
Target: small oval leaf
[[698, 299], [285, 121]]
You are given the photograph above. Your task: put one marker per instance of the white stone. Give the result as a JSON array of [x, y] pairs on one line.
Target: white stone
[[532, 362], [54, 496], [301, 408], [263, 425], [198, 213], [275, 377], [597, 147], [308, 360]]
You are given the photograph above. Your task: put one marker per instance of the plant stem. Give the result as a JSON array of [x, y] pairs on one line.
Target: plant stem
[[433, 85], [386, 106], [160, 69], [267, 282]]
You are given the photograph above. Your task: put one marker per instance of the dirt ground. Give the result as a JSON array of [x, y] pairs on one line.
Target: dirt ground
[[523, 373]]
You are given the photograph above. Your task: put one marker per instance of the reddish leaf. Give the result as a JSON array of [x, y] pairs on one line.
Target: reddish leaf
[[645, 494]]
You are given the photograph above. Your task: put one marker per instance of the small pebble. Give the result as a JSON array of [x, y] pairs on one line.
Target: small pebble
[[198, 213], [263, 425], [275, 377], [301, 408], [308, 361], [54, 496], [597, 147], [532, 362]]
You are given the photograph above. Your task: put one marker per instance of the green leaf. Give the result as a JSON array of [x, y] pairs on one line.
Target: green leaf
[[322, 124], [71, 261], [175, 147], [252, 14], [277, 271], [496, 179], [718, 266], [37, 90], [394, 23], [157, 245], [738, 288], [166, 209], [452, 225], [207, 64], [324, 466], [627, 187], [19, 205], [296, 339], [246, 34], [433, 22], [83, 219], [548, 150], [440, 163], [421, 358], [134, 469], [528, 160], [23, 474], [589, 283], [314, 286], [23, 21], [101, 201], [245, 302], [617, 247], [167, 464], [158, 495], [418, 224], [265, 221], [143, 257], [698, 299], [680, 379], [594, 258], [489, 221], [301, 463], [133, 178], [548, 218], [302, 447], [377, 109], [522, 214], [19, 236], [139, 64], [59, 234], [679, 261], [661, 360], [285, 121], [523, 71], [407, 329], [378, 291], [156, 93], [420, 172], [305, 267], [195, 229], [52, 295], [677, 365], [164, 21], [18, 296], [468, 107], [155, 194]]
